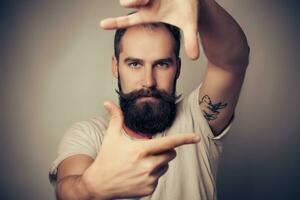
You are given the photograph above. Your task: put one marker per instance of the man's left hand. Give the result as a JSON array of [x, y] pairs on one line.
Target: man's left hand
[[180, 13]]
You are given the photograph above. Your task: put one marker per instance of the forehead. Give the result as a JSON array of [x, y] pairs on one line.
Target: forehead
[[147, 41]]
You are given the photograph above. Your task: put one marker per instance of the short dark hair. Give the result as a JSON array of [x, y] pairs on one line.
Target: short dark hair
[[173, 30]]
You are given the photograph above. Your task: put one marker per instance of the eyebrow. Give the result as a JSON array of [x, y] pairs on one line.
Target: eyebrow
[[131, 59], [162, 60]]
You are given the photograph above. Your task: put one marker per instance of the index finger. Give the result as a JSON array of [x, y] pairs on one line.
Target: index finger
[[123, 21], [159, 145]]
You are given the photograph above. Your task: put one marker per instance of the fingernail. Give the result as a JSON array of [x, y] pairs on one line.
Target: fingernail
[[103, 23]]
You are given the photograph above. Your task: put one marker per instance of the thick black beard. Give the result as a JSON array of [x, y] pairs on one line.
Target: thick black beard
[[147, 117]]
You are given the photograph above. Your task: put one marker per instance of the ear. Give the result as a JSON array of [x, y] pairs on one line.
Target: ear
[[178, 67], [114, 67]]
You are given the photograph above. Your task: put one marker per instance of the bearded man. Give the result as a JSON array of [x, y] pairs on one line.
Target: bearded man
[[133, 156]]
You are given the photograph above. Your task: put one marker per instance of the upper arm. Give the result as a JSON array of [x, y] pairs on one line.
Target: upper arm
[[73, 165], [219, 94]]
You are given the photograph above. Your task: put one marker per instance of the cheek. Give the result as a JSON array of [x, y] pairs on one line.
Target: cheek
[[166, 80], [128, 81], [125, 84]]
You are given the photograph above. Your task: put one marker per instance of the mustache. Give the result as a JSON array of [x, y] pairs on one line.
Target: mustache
[[150, 92]]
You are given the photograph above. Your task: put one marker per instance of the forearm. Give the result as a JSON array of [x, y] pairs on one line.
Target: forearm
[[223, 40], [72, 188]]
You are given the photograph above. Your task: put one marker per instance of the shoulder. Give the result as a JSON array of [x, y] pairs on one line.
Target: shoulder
[[87, 134], [92, 126], [82, 138]]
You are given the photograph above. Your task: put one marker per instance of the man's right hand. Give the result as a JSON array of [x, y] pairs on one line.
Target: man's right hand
[[126, 168]]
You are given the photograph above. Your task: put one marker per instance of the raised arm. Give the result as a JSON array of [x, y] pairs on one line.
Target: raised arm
[[227, 50], [224, 43]]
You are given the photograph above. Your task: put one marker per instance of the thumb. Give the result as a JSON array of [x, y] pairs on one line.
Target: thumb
[[133, 3], [116, 116], [191, 43]]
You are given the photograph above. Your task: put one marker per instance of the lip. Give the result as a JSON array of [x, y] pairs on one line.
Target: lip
[[151, 99]]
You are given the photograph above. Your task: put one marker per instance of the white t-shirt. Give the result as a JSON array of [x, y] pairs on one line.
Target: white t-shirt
[[191, 175]]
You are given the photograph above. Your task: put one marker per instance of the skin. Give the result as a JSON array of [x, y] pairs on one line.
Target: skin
[[226, 47], [224, 44], [175, 12], [134, 171], [146, 60]]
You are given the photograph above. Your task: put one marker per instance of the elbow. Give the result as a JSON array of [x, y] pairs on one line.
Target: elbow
[[233, 56], [241, 59], [240, 52]]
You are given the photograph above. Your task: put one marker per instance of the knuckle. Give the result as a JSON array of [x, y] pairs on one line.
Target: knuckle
[[139, 153], [136, 154], [148, 166], [170, 142], [140, 150], [149, 190], [124, 21], [152, 180]]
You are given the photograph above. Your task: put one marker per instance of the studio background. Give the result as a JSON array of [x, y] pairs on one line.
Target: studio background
[[55, 69]]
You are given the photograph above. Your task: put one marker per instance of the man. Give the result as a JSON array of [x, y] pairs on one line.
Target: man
[[131, 156]]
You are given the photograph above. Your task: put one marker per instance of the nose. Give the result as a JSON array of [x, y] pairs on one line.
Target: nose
[[149, 78]]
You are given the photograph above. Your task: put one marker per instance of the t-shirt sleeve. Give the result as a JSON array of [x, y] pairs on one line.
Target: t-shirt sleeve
[[199, 119], [81, 138]]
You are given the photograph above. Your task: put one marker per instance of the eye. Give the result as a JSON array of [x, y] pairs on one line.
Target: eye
[[163, 65], [134, 65]]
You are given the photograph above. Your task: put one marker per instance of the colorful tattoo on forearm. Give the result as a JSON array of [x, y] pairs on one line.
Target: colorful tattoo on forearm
[[210, 110]]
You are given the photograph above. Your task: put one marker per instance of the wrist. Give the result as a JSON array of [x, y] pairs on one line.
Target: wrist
[[92, 191], [85, 189], [72, 187]]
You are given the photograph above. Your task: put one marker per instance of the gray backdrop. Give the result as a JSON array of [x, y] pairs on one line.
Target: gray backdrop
[[55, 70]]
